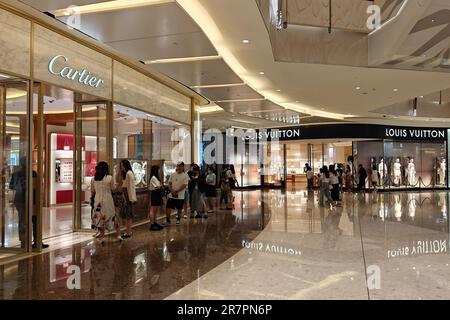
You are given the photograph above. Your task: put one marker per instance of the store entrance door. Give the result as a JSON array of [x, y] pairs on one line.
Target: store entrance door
[[71, 140], [15, 215], [93, 144]]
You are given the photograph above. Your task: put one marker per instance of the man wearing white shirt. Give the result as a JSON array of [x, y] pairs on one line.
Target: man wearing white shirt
[[178, 183]]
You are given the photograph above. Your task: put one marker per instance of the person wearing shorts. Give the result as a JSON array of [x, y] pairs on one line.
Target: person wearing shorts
[[178, 183]]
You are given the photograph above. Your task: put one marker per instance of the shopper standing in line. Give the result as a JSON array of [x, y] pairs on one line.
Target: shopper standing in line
[[194, 190], [101, 188], [334, 181], [211, 181], [129, 192], [202, 188], [362, 176], [178, 183], [309, 177], [187, 200], [231, 175], [348, 178], [324, 187], [117, 194], [156, 189]]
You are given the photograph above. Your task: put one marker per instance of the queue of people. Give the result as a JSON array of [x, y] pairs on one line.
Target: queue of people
[[333, 181], [113, 199]]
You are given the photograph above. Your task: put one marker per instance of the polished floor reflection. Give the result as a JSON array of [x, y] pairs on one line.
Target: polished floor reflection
[[273, 245], [56, 221]]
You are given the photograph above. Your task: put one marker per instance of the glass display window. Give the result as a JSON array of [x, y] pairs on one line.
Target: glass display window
[[403, 164], [146, 140]]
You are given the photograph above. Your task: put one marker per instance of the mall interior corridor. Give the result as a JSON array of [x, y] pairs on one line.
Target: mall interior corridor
[[273, 245], [192, 152]]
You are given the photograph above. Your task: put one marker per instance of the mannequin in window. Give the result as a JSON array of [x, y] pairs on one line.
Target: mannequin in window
[[441, 172], [382, 171], [375, 178], [411, 173], [397, 172]]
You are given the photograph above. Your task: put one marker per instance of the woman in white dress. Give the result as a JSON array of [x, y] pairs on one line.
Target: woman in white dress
[[102, 186]]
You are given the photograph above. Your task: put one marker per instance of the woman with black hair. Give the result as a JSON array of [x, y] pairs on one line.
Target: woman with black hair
[[324, 187], [334, 182], [129, 192], [156, 189], [101, 189], [231, 175]]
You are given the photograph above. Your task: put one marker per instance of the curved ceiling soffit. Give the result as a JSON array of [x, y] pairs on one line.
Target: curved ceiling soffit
[[196, 10]]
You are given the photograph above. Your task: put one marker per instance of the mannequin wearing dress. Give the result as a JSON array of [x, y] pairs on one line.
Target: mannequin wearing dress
[[442, 169], [411, 173], [375, 178], [397, 172], [382, 171]]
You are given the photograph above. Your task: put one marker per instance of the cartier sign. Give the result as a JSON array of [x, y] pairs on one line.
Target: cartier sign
[[82, 76]]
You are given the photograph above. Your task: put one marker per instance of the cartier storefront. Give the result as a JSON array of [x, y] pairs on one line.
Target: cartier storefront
[[66, 103]]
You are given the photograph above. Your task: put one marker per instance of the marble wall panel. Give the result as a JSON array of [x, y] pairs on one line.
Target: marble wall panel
[[14, 43], [134, 89]]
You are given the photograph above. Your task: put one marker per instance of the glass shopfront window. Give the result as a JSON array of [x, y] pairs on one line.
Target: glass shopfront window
[[14, 144], [147, 140], [403, 164]]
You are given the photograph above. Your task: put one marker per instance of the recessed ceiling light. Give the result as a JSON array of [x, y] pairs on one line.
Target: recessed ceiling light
[[432, 20], [262, 72], [395, 90], [297, 101], [358, 88], [245, 41], [278, 90], [421, 97]]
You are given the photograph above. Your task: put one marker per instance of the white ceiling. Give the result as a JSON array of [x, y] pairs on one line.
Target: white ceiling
[[209, 27], [321, 89]]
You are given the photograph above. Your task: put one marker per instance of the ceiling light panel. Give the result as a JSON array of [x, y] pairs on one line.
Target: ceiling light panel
[[230, 93], [185, 59], [108, 6]]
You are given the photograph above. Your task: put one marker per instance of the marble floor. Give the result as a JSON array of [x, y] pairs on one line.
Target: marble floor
[[273, 245], [56, 221]]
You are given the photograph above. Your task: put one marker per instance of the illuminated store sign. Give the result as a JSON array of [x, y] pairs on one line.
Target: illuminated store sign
[[351, 131], [83, 76], [415, 133]]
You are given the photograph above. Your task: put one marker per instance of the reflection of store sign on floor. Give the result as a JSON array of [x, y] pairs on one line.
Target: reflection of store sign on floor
[[66, 171], [270, 248], [420, 248]]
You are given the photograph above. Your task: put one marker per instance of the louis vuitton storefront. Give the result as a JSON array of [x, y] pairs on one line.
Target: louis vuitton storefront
[[395, 158], [66, 103]]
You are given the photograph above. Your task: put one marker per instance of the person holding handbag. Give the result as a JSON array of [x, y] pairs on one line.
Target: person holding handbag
[[129, 192], [101, 189], [156, 195]]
